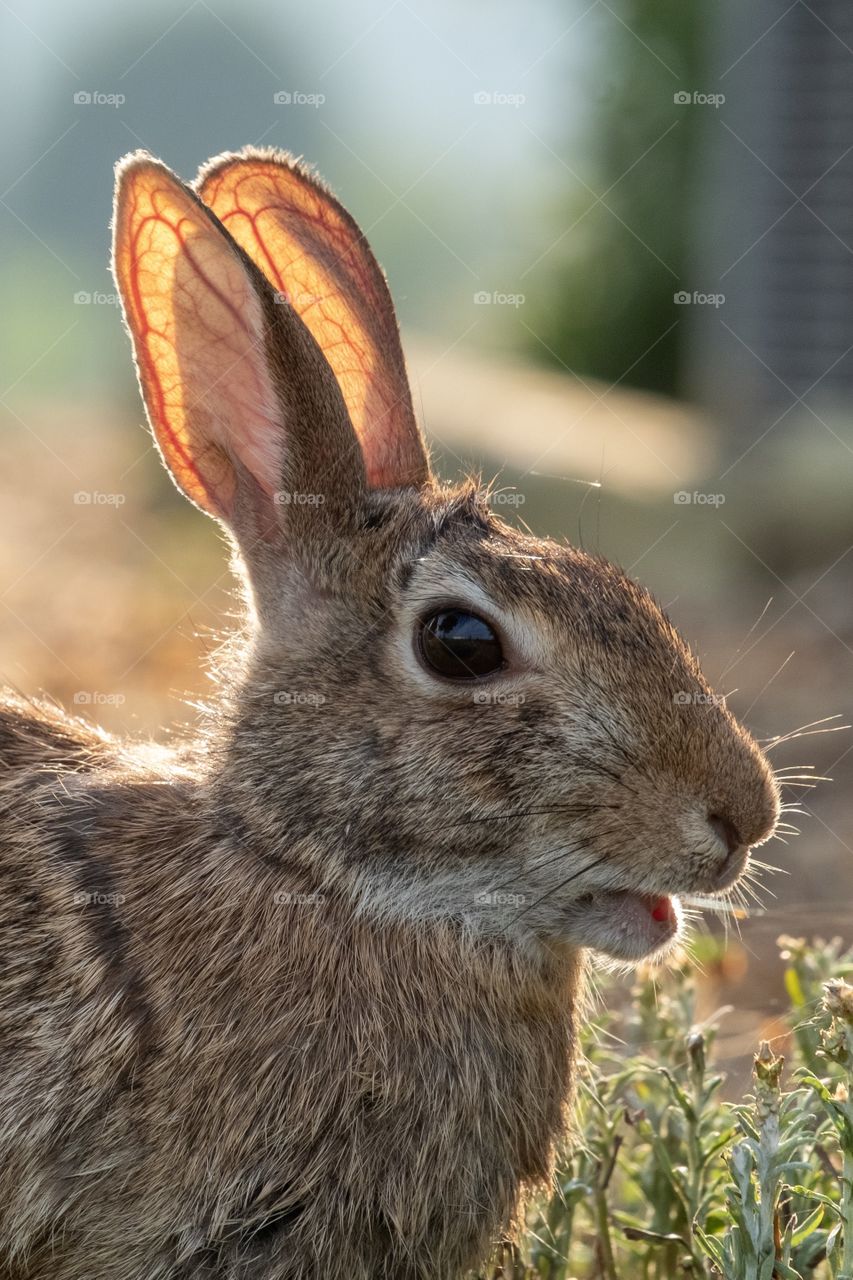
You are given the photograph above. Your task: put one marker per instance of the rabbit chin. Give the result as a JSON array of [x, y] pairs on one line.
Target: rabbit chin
[[623, 925]]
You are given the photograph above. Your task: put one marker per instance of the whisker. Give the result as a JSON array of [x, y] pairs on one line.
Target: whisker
[[558, 852], [567, 811], [806, 731], [748, 891], [715, 905], [597, 767], [756, 864], [562, 884], [764, 689], [744, 640]]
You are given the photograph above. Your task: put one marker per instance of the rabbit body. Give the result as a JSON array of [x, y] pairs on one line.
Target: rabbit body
[[216, 1070]]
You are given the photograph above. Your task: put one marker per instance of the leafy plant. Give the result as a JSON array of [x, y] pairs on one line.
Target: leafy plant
[[668, 1178]]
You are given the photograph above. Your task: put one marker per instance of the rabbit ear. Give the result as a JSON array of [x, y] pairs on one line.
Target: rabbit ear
[[237, 392], [315, 256]]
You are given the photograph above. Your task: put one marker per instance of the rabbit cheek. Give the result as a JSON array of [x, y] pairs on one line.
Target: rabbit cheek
[[625, 926]]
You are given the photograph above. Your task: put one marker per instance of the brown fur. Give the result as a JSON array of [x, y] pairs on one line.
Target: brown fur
[[265, 1014]]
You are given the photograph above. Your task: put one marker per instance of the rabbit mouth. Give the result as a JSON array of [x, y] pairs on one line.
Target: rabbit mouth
[[626, 925]]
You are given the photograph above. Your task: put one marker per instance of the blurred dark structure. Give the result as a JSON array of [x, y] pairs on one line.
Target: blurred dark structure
[[776, 233], [722, 168]]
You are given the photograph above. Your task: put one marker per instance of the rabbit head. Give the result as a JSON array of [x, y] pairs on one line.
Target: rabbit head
[[439, 716]]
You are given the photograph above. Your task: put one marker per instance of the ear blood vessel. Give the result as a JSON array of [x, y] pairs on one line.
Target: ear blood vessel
[[296, 999]]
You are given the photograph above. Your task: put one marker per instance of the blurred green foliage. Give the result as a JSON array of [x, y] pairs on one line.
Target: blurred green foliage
[[607, 309]]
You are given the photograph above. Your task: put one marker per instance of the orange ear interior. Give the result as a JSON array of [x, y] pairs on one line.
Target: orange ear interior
[[198, 334], [318, 261]]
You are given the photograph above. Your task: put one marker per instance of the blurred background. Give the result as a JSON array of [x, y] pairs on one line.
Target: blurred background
[[620, 236]]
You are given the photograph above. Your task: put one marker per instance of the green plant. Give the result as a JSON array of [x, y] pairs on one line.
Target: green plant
[[667, 1177]]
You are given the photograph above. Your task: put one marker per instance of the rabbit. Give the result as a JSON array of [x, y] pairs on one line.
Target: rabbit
[[298, 999]]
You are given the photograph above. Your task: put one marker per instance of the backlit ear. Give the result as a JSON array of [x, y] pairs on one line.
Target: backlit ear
[[200, 338], [316, 258]]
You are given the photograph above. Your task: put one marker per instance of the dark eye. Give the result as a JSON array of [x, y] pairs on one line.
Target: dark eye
[[459, 645]]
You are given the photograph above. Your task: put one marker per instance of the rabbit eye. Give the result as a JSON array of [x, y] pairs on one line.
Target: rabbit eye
[[459, 645]]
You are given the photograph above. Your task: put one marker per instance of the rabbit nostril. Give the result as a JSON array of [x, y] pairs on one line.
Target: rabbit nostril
[[727, 831]]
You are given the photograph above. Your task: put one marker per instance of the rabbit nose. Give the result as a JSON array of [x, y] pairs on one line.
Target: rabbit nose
[[727, 832]]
